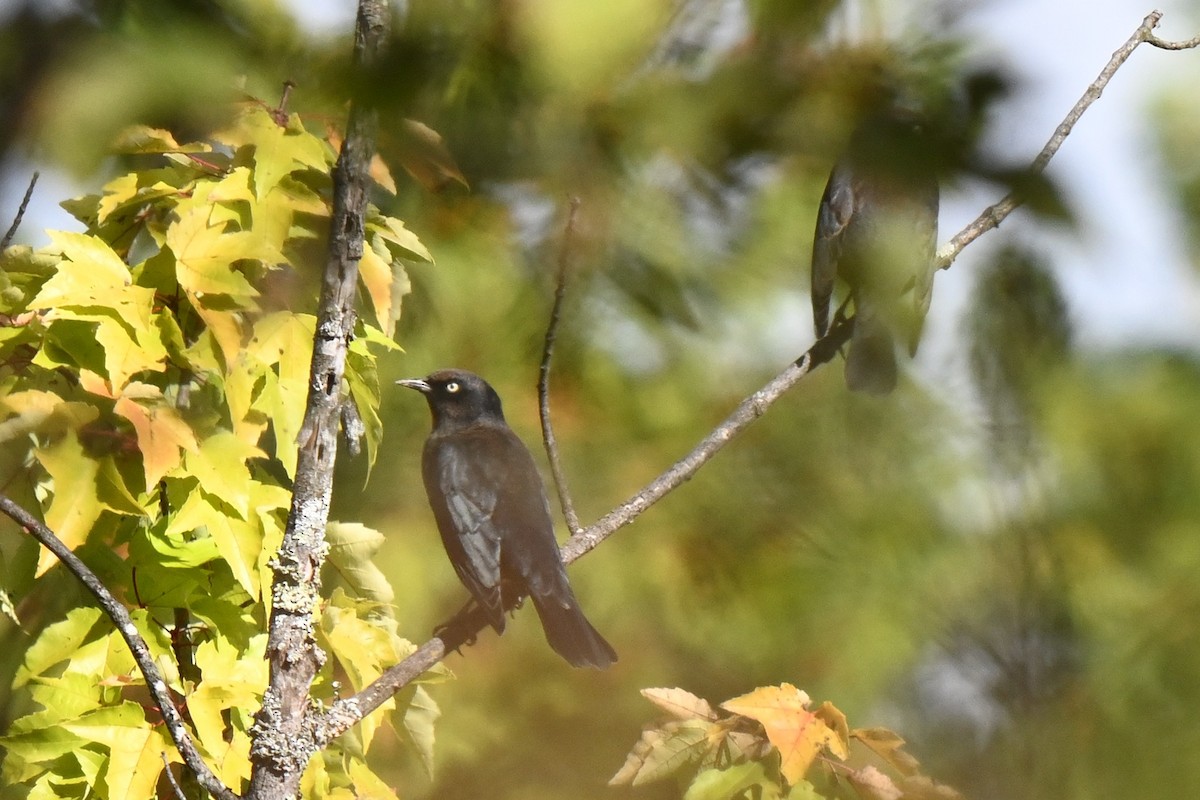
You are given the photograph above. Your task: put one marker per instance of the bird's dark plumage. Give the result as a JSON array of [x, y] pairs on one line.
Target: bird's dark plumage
[[877, 231], [491, 509]]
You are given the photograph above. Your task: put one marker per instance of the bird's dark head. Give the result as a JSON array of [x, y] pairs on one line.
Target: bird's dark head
[[457, 398]]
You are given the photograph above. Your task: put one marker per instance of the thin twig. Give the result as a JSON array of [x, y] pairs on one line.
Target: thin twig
[[993, 215], [171, 778], [1164, 44], [133, 640], [560, 292], [16, 223], [348, 711]]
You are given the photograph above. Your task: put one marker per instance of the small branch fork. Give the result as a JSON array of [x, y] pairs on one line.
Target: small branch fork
[[317, 730], [993, 215]]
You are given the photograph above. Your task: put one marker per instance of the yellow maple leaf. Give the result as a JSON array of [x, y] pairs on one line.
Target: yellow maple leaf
[[205, 253], [75, 507], [797, 733]]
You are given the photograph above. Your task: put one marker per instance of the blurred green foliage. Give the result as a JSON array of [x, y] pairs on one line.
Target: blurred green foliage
[[1032, 629]]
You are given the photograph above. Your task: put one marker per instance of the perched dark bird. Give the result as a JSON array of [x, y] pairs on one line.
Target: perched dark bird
[[877, 231], [491, 508]]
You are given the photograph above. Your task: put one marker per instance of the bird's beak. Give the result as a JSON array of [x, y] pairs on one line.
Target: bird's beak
[[415, 383]]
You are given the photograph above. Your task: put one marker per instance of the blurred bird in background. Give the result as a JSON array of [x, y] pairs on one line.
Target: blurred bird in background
[[491, 509], [877, 232]]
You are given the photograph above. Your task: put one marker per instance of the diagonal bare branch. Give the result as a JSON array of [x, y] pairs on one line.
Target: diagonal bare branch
[[996, 213]]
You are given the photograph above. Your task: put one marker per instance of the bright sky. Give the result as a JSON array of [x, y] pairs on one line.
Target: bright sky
[[1125, 269]]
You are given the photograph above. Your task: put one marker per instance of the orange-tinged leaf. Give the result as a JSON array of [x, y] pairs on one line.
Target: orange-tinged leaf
[[95, 384], [75, 507], [796, 732], [162, 435], [379, 171], [426, 158], [680, 703], [386, 281], [889, 746]]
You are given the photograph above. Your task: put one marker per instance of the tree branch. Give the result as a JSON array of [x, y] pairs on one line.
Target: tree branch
[[348, 711], [747, 411], [560, 292], [16, 223], [994, 214], [283, 737], [137, 645]]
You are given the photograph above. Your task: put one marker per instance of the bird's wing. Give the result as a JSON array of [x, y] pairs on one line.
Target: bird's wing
[[837, 207], [464, 493]]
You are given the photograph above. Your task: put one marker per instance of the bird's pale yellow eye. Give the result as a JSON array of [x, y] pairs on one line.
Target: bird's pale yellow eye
[[452, 387]]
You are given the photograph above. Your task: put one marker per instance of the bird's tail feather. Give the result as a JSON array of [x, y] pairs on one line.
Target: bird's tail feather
[[871, 363], [571, 635]]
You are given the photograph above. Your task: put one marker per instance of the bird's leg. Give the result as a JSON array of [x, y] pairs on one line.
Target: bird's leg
[[458, 631], [839, 316], [514, 600]]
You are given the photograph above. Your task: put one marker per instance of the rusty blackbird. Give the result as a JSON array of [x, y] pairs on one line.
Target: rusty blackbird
[[877, 231], [491, 509]]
